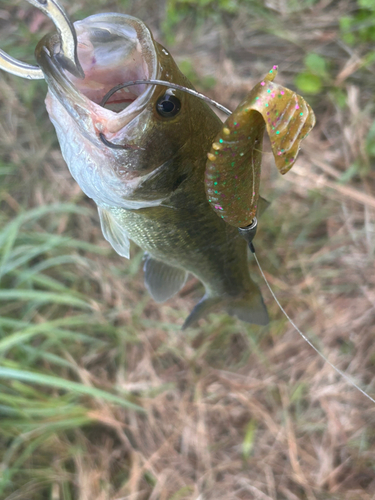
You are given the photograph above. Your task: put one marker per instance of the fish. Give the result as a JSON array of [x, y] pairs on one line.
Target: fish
[[142, 159]]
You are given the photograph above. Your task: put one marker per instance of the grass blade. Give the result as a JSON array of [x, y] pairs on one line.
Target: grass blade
[[67, 385]]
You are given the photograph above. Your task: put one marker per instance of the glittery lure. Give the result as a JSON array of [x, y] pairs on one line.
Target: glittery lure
[[233, 167]]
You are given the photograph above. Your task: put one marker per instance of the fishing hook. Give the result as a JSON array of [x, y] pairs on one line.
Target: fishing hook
[[111, 145], [165, 84], [68, 45]]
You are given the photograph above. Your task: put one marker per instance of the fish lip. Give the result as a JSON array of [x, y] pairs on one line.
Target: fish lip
[[74, 101]]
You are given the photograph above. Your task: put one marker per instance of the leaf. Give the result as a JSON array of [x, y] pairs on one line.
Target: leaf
[[366, 4], [349, 173], [248, 442], [67, 385], [42, 297], [308, 83], [316, 64], [370, 141], [47, 328]]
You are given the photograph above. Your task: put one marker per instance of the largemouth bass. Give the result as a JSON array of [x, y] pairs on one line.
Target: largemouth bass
[[153, 191]]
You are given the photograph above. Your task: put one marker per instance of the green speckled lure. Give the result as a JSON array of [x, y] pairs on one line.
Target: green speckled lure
[[234, 162]]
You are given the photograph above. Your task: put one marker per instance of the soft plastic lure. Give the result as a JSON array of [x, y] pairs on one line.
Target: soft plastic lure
[[234, 162]]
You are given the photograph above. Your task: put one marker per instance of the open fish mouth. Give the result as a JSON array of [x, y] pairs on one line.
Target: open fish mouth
[[112, 49]]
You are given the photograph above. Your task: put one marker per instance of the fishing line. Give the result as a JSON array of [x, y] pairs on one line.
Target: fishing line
[[165, 84], [241, 230], [346, 377], [115, 89]]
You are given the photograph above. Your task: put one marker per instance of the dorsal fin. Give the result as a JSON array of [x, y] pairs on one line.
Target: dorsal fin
[[114, 233]]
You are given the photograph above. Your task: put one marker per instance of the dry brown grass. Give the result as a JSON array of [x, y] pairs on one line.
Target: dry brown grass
[[232, 411]]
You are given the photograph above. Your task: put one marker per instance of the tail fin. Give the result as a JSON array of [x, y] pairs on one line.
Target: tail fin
[[249, 307]]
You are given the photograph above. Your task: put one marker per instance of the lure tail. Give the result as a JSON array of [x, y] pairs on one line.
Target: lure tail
[[248, 307]]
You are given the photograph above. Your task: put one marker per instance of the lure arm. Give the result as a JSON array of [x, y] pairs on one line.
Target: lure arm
[[68, 41], [233, 167]]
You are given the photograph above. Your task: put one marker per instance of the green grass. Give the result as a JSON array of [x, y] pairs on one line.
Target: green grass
[[44, 316]]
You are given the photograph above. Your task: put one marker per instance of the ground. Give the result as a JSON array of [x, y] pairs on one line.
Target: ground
[[102, 396]]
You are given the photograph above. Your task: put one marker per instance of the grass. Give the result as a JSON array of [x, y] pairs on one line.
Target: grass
[[101, 395]]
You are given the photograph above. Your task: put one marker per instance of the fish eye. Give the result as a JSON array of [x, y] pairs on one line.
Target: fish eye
[[168, 105]]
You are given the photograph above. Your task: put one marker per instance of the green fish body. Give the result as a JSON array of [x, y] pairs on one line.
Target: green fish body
[[153, 192], [185, 236]]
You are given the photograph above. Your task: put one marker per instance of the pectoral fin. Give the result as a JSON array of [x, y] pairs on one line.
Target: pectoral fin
[[162, 280], [114, 233]]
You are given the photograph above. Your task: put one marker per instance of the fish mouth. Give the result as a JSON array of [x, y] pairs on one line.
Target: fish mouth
[[112, 49]]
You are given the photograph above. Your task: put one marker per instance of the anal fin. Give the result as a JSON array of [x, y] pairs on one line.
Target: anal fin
[[162, 280]]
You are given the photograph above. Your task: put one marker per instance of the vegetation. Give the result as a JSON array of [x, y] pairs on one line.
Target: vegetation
[[101, 395]]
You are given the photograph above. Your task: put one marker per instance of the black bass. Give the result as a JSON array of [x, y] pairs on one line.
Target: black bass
[[153, 191]]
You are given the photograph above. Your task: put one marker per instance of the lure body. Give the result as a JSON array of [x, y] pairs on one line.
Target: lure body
[[234, 162]]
